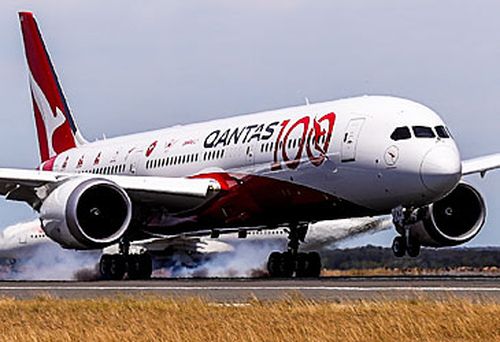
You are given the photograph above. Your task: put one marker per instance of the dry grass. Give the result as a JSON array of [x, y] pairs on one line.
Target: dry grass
[[468, 271], [129, 319]]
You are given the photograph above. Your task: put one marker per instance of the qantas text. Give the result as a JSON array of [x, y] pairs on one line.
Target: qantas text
[[314, 137]]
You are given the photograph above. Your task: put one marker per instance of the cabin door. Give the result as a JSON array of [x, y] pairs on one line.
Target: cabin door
[[350, 139]]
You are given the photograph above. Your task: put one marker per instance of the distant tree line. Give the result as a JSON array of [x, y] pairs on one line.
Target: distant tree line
[[370, 257]]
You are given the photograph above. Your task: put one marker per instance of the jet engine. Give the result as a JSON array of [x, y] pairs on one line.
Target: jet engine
[[451, 221], [86, 214]]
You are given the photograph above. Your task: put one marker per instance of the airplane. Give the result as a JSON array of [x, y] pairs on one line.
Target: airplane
[[21, 242], [356, 157]]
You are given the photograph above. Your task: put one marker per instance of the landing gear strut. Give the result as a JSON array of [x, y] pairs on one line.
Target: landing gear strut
[[115, 266], [403, 244], [291, 262]]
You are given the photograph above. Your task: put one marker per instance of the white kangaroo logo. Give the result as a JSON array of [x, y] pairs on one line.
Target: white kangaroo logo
[[52, 121]]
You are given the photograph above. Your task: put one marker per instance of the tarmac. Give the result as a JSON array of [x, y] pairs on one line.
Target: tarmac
[[243, 290]]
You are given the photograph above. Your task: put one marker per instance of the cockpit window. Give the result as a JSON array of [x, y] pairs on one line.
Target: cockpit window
[[401, 133], [423, 132], [442, 132]]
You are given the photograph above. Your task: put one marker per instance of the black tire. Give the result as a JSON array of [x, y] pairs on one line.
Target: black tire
[[134, 267], [413, 249], [399, 246], [302, 265], [273, 264], [287, 265], [105, 266], [147, 265], [314, 265], [117, 267], [139, 266]]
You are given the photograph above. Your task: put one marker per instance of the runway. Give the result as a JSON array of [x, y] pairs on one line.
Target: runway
[[242, 290]]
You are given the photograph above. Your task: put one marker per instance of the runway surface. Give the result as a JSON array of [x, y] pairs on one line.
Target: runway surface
[[242, 290]]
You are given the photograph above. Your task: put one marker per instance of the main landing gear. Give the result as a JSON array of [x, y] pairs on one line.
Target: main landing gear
[[136, 266], [289, 263], [403, 219]]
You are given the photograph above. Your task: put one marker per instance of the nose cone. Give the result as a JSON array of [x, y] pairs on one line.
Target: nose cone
[[441, 169]]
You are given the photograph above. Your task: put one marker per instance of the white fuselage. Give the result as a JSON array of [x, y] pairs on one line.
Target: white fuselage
[[348, 154], [21, 240]]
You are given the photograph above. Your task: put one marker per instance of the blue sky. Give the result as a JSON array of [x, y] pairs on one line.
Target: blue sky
[[129, 66]]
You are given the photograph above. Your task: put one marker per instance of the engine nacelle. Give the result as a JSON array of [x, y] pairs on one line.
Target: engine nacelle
[[86, 214], [451, 221]]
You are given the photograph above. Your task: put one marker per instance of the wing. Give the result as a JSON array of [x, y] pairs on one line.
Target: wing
[[481, 165], [23, 185], [181, 193]]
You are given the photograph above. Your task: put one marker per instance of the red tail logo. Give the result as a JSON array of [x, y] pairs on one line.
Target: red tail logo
[[56, 128]]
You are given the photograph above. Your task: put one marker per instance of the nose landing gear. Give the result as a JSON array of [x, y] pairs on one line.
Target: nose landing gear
[[403, 244], [286, 264]]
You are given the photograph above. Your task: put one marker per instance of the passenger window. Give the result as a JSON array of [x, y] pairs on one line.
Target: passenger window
[[401, 133], [442, 132], [423, 132]]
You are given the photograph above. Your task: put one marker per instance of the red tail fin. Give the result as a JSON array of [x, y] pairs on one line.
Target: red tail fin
[[57, 131]]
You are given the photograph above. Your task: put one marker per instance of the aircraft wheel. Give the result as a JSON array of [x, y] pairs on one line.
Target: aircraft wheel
[[287, 265], [147, 265], [302, 265], [134, 267], [314, 265], [139, 266], [284, 265], [112, 266], [118, 267], [413, 249], [105, 266], [399, 246], [273, 264]]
